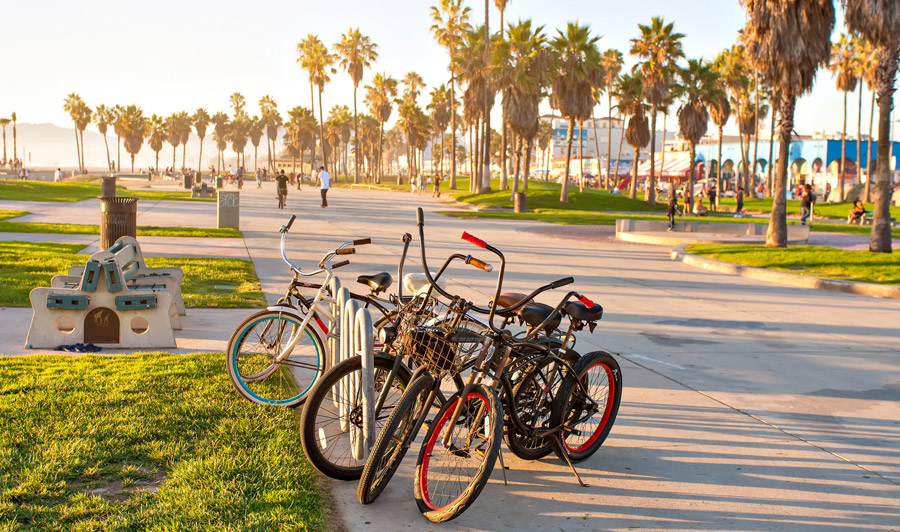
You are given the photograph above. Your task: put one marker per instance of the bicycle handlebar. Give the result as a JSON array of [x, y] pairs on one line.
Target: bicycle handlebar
[[345, 251], [340, 264], [362, 241], [291, 222], [481, 265], [474, 240]]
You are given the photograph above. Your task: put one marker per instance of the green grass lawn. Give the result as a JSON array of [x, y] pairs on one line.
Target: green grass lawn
[[147, 442], [80, 190], [820, 261], [27, 265], [826, 210], [567, 217], [83, 229]]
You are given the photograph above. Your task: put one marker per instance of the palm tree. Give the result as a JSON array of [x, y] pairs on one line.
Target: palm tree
[[104, 117], [878, 22], [578, 62], [629, 95], [356, 53], [240, 130], [869, 67], [501, 7], [318, 63], [478, 98], [843, 68], [440, 117], [268, 110], [136, 130], [201, 121], [720, 112], [74, 105], [183, 126], [413, 84], [3, 123], [340, 117], [659, 47], [451, 22], [15, 146], [238, 102], [173, 136], [256, 132], [119, 126], [544, 136], [157, 136], [698, 89], [788, 64], [521, 65], [380, 96], [221, 126], [306, 54], [731, 66], [611, 63]]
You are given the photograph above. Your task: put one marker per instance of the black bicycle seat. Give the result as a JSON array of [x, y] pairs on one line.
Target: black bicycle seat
[[378, 282], [578, 311], [535, 313]]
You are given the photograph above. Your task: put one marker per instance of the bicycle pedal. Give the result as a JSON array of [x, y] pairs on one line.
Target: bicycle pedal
[[570, 430]]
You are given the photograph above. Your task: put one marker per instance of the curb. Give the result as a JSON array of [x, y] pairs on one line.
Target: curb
[[785, 278]]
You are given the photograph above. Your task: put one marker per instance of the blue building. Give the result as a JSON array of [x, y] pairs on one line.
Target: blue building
[[812, 160]]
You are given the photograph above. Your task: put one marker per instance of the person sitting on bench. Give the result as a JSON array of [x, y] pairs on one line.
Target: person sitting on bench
[[857, 213]]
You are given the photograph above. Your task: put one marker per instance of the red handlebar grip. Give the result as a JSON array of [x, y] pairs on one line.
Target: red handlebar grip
[[473, 239], [587, 302]]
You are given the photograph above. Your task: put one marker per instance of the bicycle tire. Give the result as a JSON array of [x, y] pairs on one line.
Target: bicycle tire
[[534, 396], [250, 359], [602, 377], [320, 417], [393, 441], [431, 500]]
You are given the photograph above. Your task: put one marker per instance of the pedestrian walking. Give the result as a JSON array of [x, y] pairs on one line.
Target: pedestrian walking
[[739, 199], [712, 199], [57, 176], [281, 189], [806, 203], [259, 176], [437, 187], [324, 185], [672, 207]]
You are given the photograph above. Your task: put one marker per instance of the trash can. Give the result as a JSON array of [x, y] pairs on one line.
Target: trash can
[[186, 179], [220, 182], [519, 202], [108, 187], [118, 218], [228, 212]]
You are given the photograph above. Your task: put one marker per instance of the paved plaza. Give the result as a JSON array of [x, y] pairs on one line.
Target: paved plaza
[[746, 406]]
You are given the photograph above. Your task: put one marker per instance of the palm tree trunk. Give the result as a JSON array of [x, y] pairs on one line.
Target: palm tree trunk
[[869, 156], [609, 139], [381, 153], [719, 172], [690, 200], [504, 175], [83, 165], [312, 103], [632, 189], [183, 154], [597, 147], [859, 137], [174, 149], [322, 134], [529, 145], [564, 191], [486, 177], [581, 156], [662, 154], [452, 185], [742, 180], [199, 161], [132, 163], [77, 149], [518, 144], [755, 125], [157, 163], [776, 236], [108, 161], [770, 185], [619, 154], [840, 181], [880, 241], [650, 194], [471, 158]]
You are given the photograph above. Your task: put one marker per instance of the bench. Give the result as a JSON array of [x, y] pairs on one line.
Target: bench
[[135, 271], [102, 309], [869, 218], [203, 191]]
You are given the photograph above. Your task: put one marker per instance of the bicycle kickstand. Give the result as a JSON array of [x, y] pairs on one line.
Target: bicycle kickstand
[[503, 467], [577, 476]]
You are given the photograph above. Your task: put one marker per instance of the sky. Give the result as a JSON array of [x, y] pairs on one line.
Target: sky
[[168, 56]]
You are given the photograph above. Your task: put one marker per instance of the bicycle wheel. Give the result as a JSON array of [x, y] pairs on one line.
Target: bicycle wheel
[[449, 478], [251, 354], [534, 396], [325, 434], [587, 419], [393, 440]]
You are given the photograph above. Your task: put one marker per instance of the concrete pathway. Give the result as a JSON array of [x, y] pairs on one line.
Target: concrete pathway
[[746, 406]]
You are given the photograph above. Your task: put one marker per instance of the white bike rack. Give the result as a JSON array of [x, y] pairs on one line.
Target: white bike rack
[[361, 440]]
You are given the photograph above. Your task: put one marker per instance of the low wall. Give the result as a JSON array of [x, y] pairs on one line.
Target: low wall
[[795, 232]]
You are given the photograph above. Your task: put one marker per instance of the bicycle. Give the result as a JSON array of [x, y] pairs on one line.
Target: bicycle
[[332, 408], [276, 355], [469, 455]]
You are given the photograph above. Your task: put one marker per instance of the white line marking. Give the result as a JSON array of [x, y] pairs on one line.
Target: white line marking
[[655, 360]]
